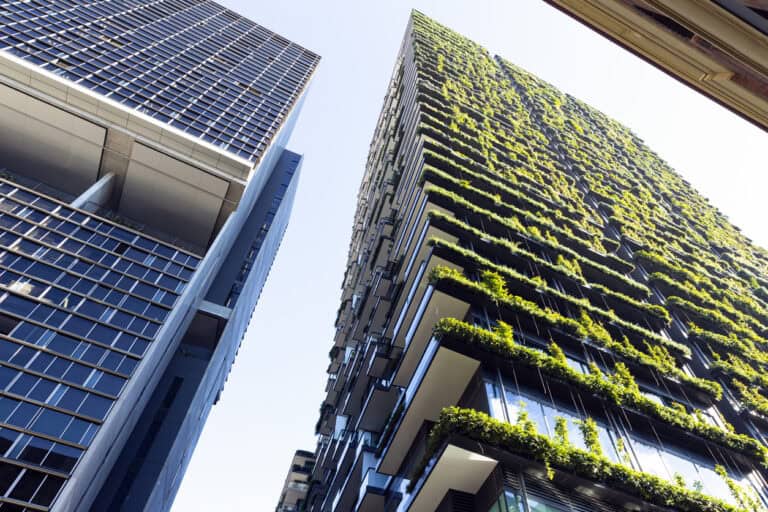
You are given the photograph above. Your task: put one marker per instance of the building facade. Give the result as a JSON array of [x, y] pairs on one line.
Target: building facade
[[719, 48], [144, 191], [538, 314], [294, 494]]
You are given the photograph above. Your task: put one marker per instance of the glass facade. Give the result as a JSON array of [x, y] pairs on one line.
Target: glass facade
[[81, 299], [115, 344], [189, 63], [619, 441]]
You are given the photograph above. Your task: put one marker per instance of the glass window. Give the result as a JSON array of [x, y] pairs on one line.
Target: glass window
[[42, 390], [23, 414], [7, 438], [41, 360], [77, 432], [8, 474], [138, 325], [57, 319], [653, 397], [48, 490], [499, 505], [17, 305], [93, 354], [71, 398], [95, 406], [27, 485], [607, 442], [104, 334], [575, 437], [135, 305], [7, 405], [91, 309], [714, 485], [110, 384], [649, 459], [112, 361], [23, 384], [63, 344], [514, 502], [77, 373], [495, 403], [62, 458], [156, 313], [127, 365], [680, 467], [35, 450], [51, 422], [121, 319], [6, 376], [7, 349], [518, 403], [577, 365], [540, 505], [549, 414], [77, 325], [151, 330]]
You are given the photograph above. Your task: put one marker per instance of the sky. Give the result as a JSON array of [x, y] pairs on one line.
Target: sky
[[270, 404]]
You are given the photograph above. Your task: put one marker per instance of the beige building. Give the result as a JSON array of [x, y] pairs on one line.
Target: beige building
[[720, 47]]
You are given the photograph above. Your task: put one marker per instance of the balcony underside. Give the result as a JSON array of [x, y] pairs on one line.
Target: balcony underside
[[461, 462], [164, 182], [443, 384], [456, 469]]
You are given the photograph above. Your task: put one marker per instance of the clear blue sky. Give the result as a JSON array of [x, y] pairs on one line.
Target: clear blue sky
[[270, 403]]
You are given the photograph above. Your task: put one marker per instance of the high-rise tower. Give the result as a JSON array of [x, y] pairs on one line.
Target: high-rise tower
[[144, 193], [538, 314], [296, 483]]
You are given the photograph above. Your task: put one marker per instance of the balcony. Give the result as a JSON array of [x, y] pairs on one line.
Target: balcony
[[358, 460], [377, 353], [372, 492], [432, 306], [439, 381], [454, 468], [380, 402]]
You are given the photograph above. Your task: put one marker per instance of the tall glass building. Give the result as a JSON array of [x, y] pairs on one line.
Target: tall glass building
[[144, 191], [538, 314]]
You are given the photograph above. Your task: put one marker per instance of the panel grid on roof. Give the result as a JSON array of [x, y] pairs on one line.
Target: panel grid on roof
[[192, 64]]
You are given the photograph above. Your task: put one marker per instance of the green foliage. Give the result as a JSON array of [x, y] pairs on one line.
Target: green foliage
[[751, 397], [593, 330], [517, 157], [630, 285], [541, 231], [622, 377], [624, 456], [524, 421], [588, 428], [495, 284], [711, 318], [619, 388], [561, 431], [748, 501], [736, 366], [586, 327], [504, 331], [572, 265], [556, 455]]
